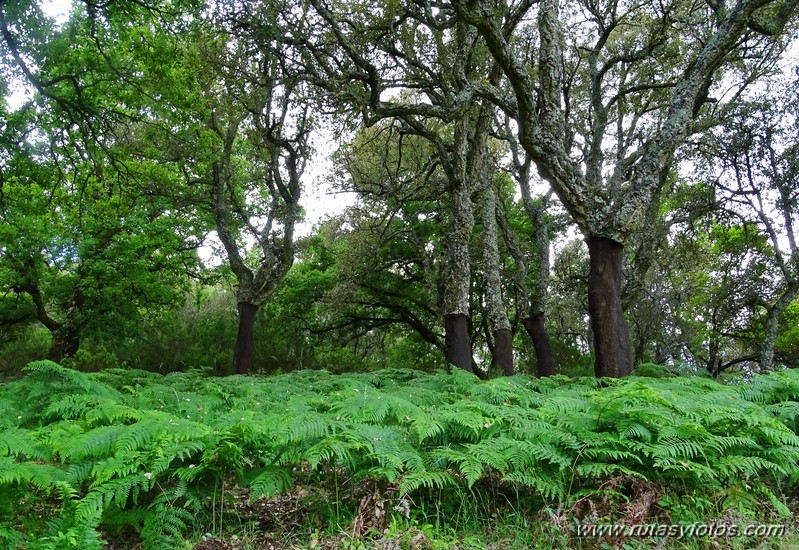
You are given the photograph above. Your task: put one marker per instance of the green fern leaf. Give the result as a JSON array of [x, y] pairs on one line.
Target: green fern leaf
[[432, 480], [268, 481]]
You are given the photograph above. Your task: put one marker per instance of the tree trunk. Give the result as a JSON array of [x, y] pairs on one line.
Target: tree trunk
[[458, 343], [503, 350], [459, 233], [712, 364], [492, 265], [766, 358], [534, 325], [242, 353], [536, 329], [532, 310], [66, 341], [612, 349]]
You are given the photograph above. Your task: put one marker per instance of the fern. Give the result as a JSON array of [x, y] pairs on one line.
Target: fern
[[116, 491], [98, 442], [82, 535], [604, 469], [20, 444], [43, 476], [548, 486], [142, 447], [430, 479], [340, 449], [10, 538], [267, 481], [426, 427], [168, 517], [469, 466]]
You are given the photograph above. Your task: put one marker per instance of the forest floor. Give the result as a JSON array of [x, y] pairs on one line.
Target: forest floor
[[281, 523]]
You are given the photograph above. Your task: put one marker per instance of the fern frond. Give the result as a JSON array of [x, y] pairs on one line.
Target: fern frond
[[98, 442], [341, 447], [299, 428], [161, 459], [49, 371], [686, 468], [10, 538], [42, 476], [430, 479], [71, 407], [604, 469], [268, 481], [470, 466], [20, 444], [112, 412], [164, 526], [426, 427], [552, 487], [746, 466], [675, 447], [101, 495]]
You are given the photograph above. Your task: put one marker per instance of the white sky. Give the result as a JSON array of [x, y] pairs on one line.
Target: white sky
[[58, 9]]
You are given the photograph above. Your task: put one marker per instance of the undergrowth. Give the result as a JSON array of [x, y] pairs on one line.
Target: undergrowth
[[158, 459]]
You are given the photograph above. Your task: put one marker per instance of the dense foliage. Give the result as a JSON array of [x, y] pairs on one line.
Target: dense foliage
[[163, 166], [142, 145], [90, 457]]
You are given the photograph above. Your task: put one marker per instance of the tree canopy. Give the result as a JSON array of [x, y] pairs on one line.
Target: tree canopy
[[478, 139]]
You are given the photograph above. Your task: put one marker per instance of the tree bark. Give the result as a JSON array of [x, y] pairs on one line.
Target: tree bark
[[66, 334], [612, 349], [503, 350], [531, 308], [459, 233], [494, 305], [766, 356], [66, 341], [242, 352], [458, 343], [537, 331]]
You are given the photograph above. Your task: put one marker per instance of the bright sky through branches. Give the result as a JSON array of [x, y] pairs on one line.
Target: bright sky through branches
[[57, 9], [319, 198]]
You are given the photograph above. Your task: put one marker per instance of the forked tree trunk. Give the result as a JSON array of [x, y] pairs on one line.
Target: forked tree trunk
[[531, 311], [458, 343], [242, 353], [612, 348], [537, 331]]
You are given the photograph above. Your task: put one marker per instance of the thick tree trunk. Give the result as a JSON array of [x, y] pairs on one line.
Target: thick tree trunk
[[503, 350], [613, 352], [459, 233], [492, 265], [458, 343], [766, 359], [712, 364], [534, 325], [66, 341], [242, 353]]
